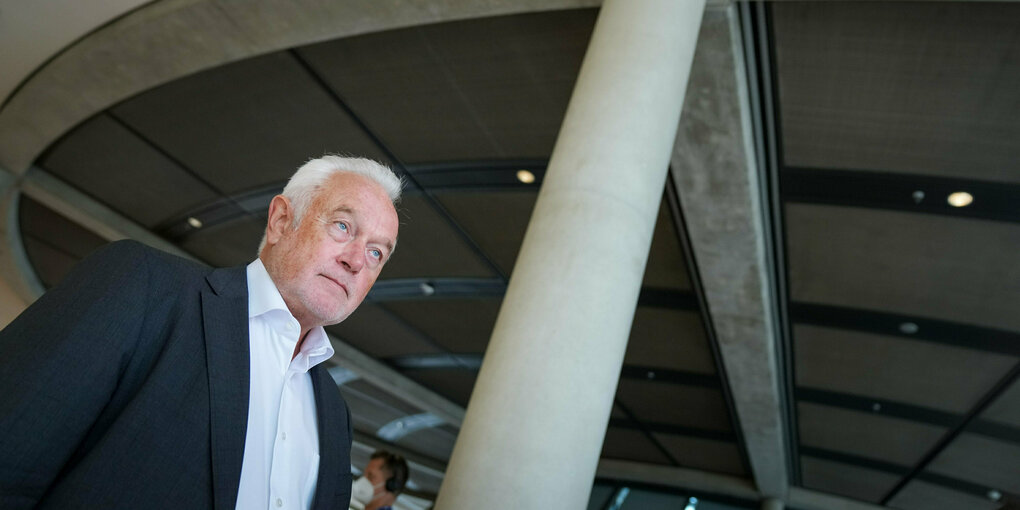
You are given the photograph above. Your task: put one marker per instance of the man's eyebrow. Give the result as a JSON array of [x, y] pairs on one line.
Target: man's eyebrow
[[343, 209], [390, 245]]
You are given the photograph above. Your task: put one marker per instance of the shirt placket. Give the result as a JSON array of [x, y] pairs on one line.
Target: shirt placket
[[281, 494]]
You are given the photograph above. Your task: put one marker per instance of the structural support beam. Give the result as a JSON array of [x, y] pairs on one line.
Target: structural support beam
[[87, 212], [395, 383], [719, 190], [715, 484], [699, 481], [543, 396], [20, 285]]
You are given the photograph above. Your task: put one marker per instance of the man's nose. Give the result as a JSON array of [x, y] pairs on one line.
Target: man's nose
[[352, 256]]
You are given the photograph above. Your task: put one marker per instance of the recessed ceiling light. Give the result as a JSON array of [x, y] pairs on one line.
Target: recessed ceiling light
[[525, 176], [994, 495], [960, 199], [918, 196], [426, 289], [195, 222], [909, 328]]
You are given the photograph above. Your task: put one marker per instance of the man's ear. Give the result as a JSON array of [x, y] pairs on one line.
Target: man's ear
[[281, 214]]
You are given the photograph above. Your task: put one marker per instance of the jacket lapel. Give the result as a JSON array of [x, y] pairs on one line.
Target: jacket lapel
[[225, 323], [328, 407]]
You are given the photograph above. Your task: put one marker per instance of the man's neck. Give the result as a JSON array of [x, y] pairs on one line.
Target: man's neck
[[300, 342]]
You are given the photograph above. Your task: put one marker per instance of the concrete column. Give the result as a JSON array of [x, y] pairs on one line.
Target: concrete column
[[772, 504], [533, 430]]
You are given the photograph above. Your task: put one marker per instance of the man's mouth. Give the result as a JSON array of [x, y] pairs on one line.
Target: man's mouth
[[342, 286]]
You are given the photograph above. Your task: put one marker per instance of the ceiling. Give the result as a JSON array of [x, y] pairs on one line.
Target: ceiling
[[897, 337]]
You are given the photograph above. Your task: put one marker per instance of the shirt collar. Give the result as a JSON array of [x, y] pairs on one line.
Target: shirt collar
[[264, 298]]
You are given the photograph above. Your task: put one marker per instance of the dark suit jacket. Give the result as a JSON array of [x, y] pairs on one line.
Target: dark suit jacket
[[126, 386]]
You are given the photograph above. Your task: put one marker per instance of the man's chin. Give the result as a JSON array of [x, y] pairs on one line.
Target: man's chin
[[335, 316]]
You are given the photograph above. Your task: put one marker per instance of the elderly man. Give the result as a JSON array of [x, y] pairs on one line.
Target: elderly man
[[147, 381]]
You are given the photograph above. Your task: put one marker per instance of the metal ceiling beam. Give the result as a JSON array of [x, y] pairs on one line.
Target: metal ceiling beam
[[89, 213], [677, 477], [395, 383], [914, 193], [720, 195], [1000, 387], [956, 334], [714, 484]]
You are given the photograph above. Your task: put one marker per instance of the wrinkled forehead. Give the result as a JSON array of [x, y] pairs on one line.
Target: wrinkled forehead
[[351, 190], [362, 199]]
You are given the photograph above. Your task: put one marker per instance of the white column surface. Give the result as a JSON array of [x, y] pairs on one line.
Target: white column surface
[[534, 427]]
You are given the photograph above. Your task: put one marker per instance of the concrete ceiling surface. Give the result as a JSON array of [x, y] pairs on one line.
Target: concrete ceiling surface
[[173, 38], [39, 30], [902, 342], [718, 187]]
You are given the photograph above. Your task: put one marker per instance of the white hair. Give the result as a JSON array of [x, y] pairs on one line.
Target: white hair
[[307, 181]]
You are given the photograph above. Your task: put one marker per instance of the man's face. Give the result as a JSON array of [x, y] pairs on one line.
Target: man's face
[[376, 473], [325, 266]]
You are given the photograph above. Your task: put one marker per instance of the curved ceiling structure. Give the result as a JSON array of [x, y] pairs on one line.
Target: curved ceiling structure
[[815, 315]]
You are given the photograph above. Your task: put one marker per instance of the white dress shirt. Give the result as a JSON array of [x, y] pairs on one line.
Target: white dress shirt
[[281, 447]]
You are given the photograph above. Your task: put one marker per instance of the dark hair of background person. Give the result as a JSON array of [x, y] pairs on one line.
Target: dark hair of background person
[[397, 467]]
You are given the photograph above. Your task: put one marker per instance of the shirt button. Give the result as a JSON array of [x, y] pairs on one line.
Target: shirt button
[[279, 502]]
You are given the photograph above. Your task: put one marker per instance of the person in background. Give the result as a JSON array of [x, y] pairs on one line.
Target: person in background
[[384, 478]]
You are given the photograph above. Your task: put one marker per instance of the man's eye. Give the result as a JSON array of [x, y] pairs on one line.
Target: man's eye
[[376, 254], [341, 226]]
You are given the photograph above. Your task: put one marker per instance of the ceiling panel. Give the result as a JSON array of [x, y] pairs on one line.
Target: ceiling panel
[[666, 267], [629, 444], [913, 87], [459, 325], [707, 454], [923, 373], [671, 339], [247, 124], [866, 435], [674, 404], [51, 264], [981, 460], [496, 220], [954, 269], [53, 243], [368, 413], [455, 384], [369, 391], [103, 159], [480, 89], [436, 443], [918, 495], [379, 333], [845, 479], [428, 246], [1006, 408], [227, 244]]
